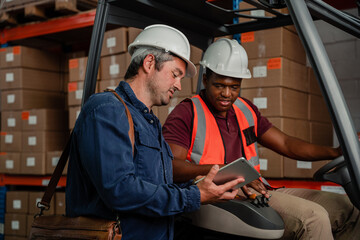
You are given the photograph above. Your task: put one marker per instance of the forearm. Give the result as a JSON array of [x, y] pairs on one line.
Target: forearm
[[184, 171], [301, 150], [296, 148]]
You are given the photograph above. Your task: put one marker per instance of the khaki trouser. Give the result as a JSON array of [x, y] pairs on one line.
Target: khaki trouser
[[312, 214]]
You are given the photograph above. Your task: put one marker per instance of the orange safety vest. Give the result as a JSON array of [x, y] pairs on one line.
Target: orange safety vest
[[207, 146]]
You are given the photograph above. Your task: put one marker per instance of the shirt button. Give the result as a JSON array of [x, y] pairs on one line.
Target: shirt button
[[145, 111], [151, 121]]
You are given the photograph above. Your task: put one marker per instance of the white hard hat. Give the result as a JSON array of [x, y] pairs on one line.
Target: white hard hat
[[167, 38], [228, 58]]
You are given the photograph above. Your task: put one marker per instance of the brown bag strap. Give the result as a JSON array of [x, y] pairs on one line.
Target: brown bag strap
[[54, 180]]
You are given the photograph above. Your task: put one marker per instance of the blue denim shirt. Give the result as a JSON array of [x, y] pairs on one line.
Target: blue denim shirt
[[105, 179]]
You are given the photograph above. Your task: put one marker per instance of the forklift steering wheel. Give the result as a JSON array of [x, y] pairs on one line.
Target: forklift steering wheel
[[336, 171]]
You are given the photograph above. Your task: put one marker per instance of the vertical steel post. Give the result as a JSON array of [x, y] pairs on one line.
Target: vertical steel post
[[93, 61], [329, 85]]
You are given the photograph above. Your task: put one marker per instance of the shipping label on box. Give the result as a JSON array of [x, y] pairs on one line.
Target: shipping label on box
[[10, 141], [17, 202], [10, 162], [33, 163], [11, 121], [115, 41], [16, 224]]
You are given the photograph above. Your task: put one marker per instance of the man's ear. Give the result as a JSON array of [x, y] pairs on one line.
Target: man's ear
[[149, 63]]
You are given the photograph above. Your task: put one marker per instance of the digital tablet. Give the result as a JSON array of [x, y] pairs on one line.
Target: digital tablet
[[238, 168]]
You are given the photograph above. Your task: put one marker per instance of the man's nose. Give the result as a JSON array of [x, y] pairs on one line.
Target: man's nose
[[177, 85], [226, 92]]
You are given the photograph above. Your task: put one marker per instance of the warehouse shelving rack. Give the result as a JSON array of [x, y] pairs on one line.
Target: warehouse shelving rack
[[201, 22]]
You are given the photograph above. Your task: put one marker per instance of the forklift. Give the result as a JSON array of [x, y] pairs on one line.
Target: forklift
[[202, 21]]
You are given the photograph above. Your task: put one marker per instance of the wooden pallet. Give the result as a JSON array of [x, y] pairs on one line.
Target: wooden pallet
[[18, 12]]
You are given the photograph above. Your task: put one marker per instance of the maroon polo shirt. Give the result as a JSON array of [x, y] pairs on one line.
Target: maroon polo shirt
[[178, 127]]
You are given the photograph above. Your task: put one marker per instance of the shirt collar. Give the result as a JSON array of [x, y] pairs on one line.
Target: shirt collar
[[231, 111], [126, 91]]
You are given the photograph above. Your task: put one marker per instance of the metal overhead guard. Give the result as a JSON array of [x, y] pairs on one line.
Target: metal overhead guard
[[201, 21]]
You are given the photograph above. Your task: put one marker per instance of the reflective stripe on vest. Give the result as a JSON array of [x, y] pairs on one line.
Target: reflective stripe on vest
[[207, 146], [201, 148]]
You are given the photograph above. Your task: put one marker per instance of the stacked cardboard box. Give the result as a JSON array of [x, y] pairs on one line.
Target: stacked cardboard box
[[32, 107], [21, 207], [282, 87]]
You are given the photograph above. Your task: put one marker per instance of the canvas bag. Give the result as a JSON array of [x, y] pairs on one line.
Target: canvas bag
[[62, 227]]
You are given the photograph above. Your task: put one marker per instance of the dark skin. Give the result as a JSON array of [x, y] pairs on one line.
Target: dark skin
[[221, 92]]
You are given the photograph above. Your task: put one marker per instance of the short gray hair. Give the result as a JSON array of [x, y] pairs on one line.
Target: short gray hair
[[161, 56]]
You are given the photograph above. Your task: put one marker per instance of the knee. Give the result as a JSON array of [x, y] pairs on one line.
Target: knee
[[316, 214]]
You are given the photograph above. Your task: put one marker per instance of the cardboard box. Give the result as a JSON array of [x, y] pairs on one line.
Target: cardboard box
[[314, 87], [25, 78], [60, 203], [321, 133], [115, 41], [73, 115], [29, 99], [133, 33], [77, 69], [318, 110], [277, 72], [17, 202], [75, 93], [195, 54], [10, 162], [114, 66], [186, 88], [112, 84], [271, 43], [261, 13], [301, 169], [271, 163], [293, 127], [20, 56], [11, 121], [33, 163], [34, 198], [164, 111], [278, 101], [44, 120], [15, 224], [43, 141], [11, 141], [52, 159]]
